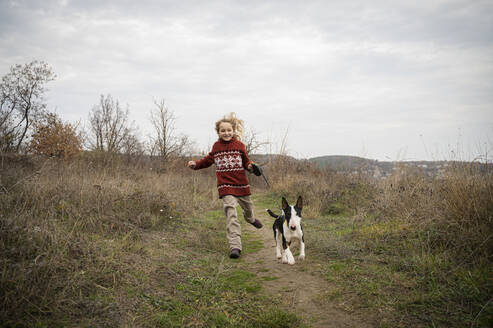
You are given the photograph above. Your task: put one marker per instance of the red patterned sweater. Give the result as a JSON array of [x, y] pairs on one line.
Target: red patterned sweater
[[231, 162]]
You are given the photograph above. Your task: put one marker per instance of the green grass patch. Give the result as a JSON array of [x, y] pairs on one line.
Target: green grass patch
[[170, 312], [216, 291], [267, 200], [336, 209], [268, 278], [218, 295], [251, 242], [242, 280]]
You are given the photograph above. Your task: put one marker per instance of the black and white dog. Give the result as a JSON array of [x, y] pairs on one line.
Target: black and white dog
[[287, 228]]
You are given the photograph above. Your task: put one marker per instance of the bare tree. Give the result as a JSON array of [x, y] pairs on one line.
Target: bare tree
[[252, 142], [21, 99], [165, 142], [133, 146], [110, 130]]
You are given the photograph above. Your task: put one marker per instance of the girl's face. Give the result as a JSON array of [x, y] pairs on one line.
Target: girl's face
[[226, 132]]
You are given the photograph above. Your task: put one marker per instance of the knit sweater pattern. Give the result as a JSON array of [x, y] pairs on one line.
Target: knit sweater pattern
[[231, 160]]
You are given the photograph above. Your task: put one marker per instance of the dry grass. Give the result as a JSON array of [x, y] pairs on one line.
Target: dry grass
[[324, 191], [431, 237], [454, 210], [71, 230], [90, 242], [115, 241]]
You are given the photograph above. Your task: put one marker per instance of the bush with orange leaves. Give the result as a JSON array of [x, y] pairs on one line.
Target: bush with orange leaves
[[53, 137]]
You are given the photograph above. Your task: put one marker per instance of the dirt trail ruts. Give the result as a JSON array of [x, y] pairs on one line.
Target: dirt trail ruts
[[300, 286]]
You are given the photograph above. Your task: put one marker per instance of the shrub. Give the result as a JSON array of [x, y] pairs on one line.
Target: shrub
[[53, 137]]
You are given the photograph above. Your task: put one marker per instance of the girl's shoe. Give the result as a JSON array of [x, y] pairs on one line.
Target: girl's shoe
[[235, 253], [257, 224]]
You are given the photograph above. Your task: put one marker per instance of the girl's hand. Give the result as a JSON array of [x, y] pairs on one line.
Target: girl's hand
[[191, 164], [249, 167]]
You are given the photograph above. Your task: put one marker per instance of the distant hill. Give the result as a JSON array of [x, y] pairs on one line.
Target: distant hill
[[341, 162], [377, 168]]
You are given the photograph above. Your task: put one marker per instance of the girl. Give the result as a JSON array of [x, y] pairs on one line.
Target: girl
[[231, 160]]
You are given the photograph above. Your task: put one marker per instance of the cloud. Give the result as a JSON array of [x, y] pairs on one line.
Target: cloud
[[328, 69]]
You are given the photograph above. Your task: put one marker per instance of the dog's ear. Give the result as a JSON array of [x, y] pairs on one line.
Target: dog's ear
[[285, 204], [299, 203]]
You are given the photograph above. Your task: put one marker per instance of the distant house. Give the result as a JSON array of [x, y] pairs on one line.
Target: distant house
[[377, 174]]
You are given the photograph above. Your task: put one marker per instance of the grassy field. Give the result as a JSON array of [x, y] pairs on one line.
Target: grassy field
[[417, 250], [115, 245], [108, 241]]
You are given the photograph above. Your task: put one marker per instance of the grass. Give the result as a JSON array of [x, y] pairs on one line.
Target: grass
[[267, 278], [413, 248], [401, 247], [373, 268], [85, 244], [106, 242]]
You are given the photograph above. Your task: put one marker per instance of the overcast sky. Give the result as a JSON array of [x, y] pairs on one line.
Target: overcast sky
[[388, 80]]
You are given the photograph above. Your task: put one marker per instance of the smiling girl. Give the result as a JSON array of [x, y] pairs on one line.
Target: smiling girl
[[231, 160]]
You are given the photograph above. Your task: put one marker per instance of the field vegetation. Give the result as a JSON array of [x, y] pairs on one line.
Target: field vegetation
[[111, 240], [416, 249], [104, 241]]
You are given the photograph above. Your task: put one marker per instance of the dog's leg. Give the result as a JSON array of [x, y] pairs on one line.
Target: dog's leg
[[302, 250], [284, 248], [278, 245], [284, 257], [289, 256], [277, 238], [302, 245]]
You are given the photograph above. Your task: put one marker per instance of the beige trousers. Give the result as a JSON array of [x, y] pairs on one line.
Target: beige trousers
[[233, 228]]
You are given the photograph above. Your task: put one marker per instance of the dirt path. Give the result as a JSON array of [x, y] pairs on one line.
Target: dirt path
[[301, 286]]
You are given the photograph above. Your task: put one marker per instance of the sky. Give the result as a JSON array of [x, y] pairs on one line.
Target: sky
[[386, 80]]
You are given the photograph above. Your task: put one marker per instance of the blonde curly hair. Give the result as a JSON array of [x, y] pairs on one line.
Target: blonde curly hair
[[235, 122]]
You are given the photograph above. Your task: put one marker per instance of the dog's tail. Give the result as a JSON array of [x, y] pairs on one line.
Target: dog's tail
[[272, 214]]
